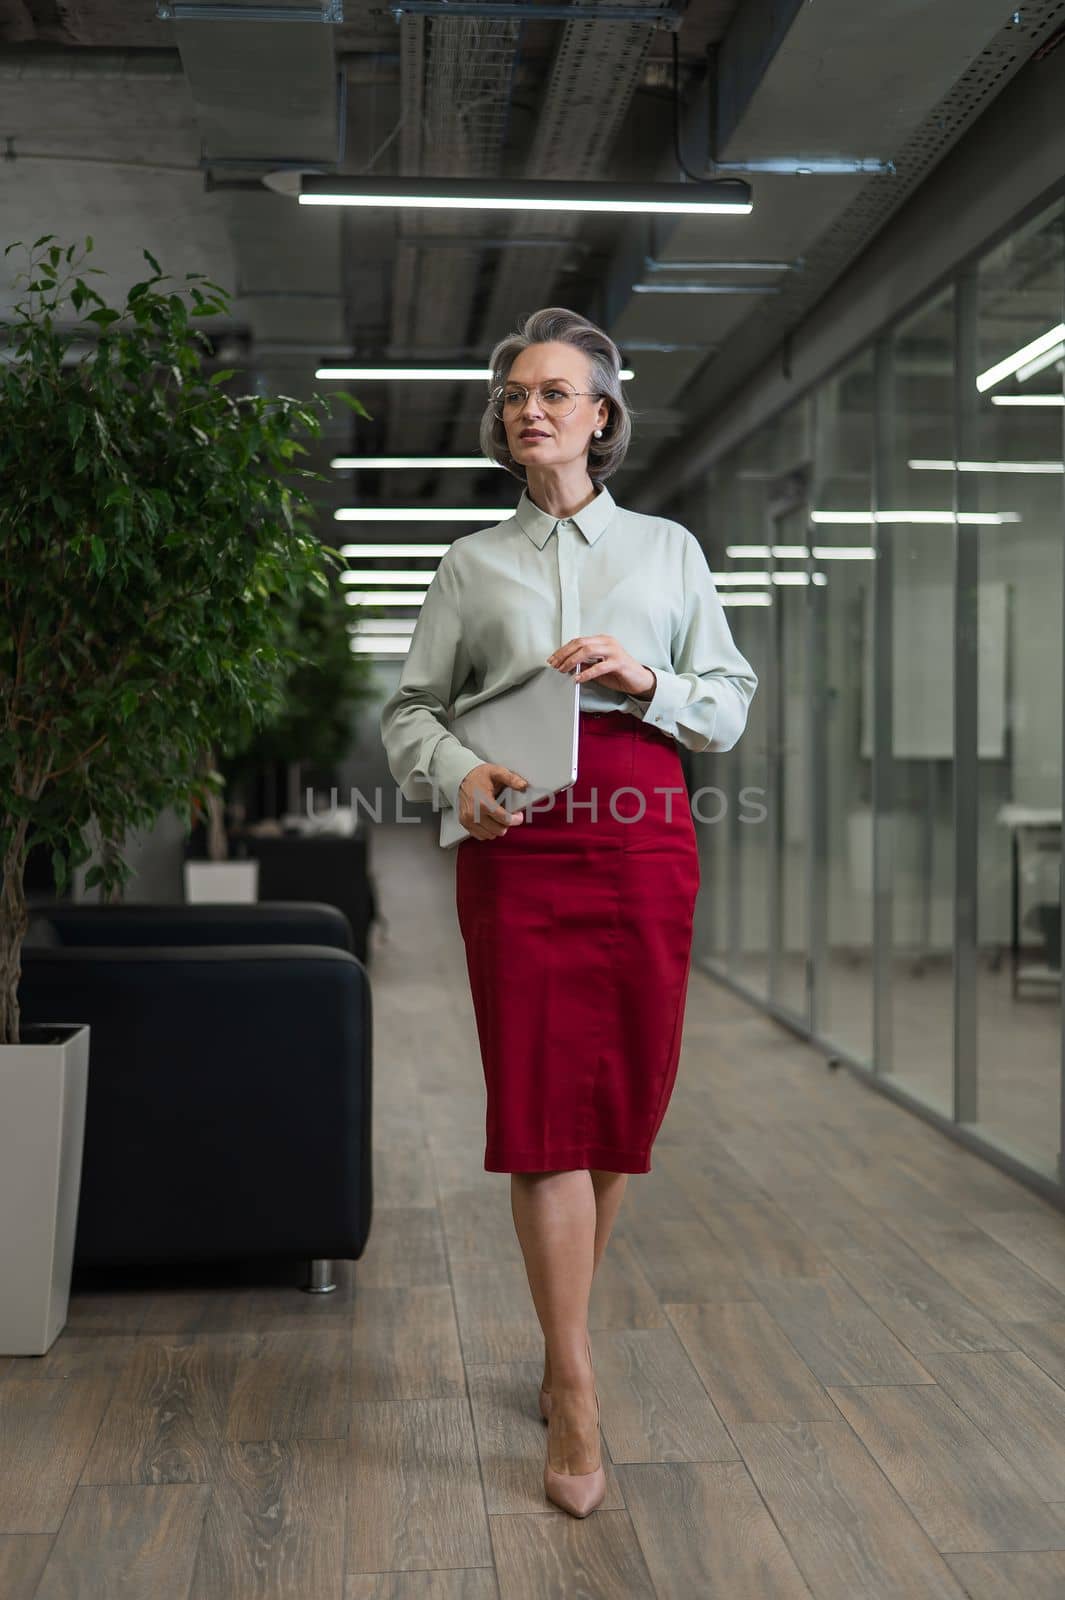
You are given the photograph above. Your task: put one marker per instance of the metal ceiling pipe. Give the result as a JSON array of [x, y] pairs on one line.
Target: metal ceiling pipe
[[63, 62]]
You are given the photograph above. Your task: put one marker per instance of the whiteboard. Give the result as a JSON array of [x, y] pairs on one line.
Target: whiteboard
[[924, 671]]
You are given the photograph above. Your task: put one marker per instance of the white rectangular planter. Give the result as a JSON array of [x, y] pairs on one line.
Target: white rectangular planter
[[42, 1129], [208, 882]]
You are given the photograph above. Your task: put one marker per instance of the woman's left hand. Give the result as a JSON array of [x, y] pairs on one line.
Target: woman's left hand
[[612, 666]]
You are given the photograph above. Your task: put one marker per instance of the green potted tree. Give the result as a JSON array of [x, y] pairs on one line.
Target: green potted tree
[[152, 527]]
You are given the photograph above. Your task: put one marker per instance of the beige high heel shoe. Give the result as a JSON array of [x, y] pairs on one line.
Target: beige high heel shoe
[[545, 1394], [576, 1492]]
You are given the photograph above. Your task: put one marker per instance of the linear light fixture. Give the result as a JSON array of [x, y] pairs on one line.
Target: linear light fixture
[[799, 552], [987, 466], [655, 264], [761, 552], [936, 517], [489, 515], [843, 552], [755, 598], [420, 374], [385, 645], [436, 550], [395, 577], [394, 463], [406, 374], [705, 288], [388, 597], [741, 578], [809, 166], [382, 625], [1028, 399], [1020, 358], [1049, 358], [725, 197]]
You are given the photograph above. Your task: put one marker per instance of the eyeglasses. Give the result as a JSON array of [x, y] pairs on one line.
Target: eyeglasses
[[558, 399]]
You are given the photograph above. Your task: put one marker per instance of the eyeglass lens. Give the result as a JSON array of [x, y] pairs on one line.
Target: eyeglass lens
[[558, 398]]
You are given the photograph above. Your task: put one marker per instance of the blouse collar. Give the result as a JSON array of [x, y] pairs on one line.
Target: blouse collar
[[591, 519]]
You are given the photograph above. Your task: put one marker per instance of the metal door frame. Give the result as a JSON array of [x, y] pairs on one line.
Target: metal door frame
[[792, 496]]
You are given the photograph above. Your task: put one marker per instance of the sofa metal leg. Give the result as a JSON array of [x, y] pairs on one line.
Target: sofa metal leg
[[322, 1279]]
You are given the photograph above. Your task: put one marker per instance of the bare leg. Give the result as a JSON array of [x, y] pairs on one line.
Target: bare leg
[[555, 1217], [609, 1192]]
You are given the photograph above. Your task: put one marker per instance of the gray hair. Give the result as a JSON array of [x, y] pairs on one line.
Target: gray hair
[[557, 324]]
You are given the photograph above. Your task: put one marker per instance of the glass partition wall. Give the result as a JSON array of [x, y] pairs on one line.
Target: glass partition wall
[[1011, 482], [882, 851]]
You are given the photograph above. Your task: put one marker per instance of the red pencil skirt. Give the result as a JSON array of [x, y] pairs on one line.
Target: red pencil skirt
[[577, 924]]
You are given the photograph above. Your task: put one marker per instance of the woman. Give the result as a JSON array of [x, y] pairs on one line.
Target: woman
[[576, 916]]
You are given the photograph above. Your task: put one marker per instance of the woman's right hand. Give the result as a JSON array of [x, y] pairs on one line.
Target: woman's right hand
[[479, 811]]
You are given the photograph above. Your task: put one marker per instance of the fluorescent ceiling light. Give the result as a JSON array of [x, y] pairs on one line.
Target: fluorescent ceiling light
[[436, 550], [384, 463], [383, 645], [395, 577], [406, 374], [1027, 353], [937, 517], [365, 625], [387, 597], [741, 578], [706, 288], [844, 517], [421, 374], [987, 466], [657, 264], [1028, 399], [422, 514], [805, 166], [1040, 364], [727, 197], [761, 552], [754, 599], [799, 552]]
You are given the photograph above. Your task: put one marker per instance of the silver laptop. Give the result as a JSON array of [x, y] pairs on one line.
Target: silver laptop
[[534, 730]]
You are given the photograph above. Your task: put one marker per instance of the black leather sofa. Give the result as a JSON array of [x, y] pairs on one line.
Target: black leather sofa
[[230, 1078], [318, 867]]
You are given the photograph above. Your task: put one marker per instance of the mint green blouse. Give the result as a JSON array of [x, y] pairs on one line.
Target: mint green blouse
[[502, 599]]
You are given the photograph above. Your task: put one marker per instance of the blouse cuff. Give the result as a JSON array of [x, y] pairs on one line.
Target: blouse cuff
[[451, 761], [671, 693]]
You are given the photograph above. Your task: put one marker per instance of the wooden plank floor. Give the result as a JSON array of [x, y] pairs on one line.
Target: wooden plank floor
[[830, 1348]]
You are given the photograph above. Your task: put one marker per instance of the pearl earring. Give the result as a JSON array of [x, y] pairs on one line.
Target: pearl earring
[[599, 433]]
